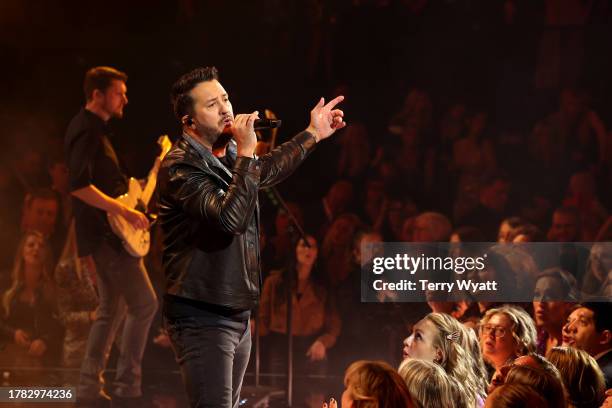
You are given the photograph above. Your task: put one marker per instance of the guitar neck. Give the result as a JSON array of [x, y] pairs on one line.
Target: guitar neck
[[147, 192]]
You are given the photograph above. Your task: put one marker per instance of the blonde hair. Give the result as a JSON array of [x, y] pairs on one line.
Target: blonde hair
[[430, 386], [461, 357], [583, 379], [375, 384], [18, 271], [471, 343], [523, 327]]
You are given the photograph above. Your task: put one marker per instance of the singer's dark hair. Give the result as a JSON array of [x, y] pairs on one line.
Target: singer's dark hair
[[100, 78], [182, 102]]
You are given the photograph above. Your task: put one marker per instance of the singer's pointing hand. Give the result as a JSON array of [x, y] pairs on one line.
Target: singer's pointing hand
[[325, 120], [244, 133]]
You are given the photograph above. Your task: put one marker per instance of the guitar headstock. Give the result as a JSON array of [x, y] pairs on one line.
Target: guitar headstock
[[165, 144]]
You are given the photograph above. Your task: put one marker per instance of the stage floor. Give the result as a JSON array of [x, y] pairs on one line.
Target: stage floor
[[164, 388]]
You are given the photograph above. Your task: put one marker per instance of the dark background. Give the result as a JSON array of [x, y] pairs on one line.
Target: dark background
[[283, 56]]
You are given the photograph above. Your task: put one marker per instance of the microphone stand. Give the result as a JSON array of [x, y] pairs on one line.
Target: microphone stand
[[297, 232]]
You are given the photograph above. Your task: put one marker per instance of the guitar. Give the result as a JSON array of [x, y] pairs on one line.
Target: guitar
[[138, 241]]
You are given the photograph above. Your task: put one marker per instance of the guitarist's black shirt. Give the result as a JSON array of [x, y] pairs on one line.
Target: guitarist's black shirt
[[92, 160]]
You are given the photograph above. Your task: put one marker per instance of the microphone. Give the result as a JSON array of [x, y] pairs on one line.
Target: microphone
[[262, 124]]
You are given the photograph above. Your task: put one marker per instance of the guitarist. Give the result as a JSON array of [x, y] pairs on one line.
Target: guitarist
[[95, 178]]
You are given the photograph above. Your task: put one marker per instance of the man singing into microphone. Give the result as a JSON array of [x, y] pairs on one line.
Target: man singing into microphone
[[209, 214]]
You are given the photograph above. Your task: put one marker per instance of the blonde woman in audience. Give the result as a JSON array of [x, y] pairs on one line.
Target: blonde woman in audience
[[442, 339], [506, 333], [30, 335], [582, 378], [471, 343], [372, 384], [430, 386]]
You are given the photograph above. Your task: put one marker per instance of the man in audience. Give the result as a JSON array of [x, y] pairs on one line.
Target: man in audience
[[565, 225], [40, 212], [589, 328]]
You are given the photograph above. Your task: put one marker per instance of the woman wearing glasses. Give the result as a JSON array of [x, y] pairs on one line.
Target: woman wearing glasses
[[506, 333]]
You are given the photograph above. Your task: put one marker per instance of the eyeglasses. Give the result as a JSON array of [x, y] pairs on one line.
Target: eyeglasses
[[497, 331]]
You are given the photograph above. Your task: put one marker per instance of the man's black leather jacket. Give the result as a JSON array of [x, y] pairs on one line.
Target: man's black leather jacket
[[210, 219]]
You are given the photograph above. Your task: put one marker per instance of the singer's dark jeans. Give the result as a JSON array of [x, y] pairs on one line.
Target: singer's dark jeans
[[213, 353]]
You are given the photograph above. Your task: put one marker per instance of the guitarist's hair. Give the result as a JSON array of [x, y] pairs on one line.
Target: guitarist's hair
[[181, 101], [100, 78]]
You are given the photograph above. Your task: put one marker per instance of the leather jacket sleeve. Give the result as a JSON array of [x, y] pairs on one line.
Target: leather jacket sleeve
[[200, 196], [230, 211], [283, 160]]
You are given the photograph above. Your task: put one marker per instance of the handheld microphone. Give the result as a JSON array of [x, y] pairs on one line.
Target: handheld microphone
[[262, 124]]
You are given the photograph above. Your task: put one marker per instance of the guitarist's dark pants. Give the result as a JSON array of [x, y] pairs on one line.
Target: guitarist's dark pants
[[121, 279]]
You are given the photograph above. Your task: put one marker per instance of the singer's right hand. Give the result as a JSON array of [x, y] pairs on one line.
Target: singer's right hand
[[244, 133]]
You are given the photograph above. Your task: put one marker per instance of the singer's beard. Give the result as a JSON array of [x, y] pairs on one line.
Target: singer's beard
[[222, 140], [213, 136]]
